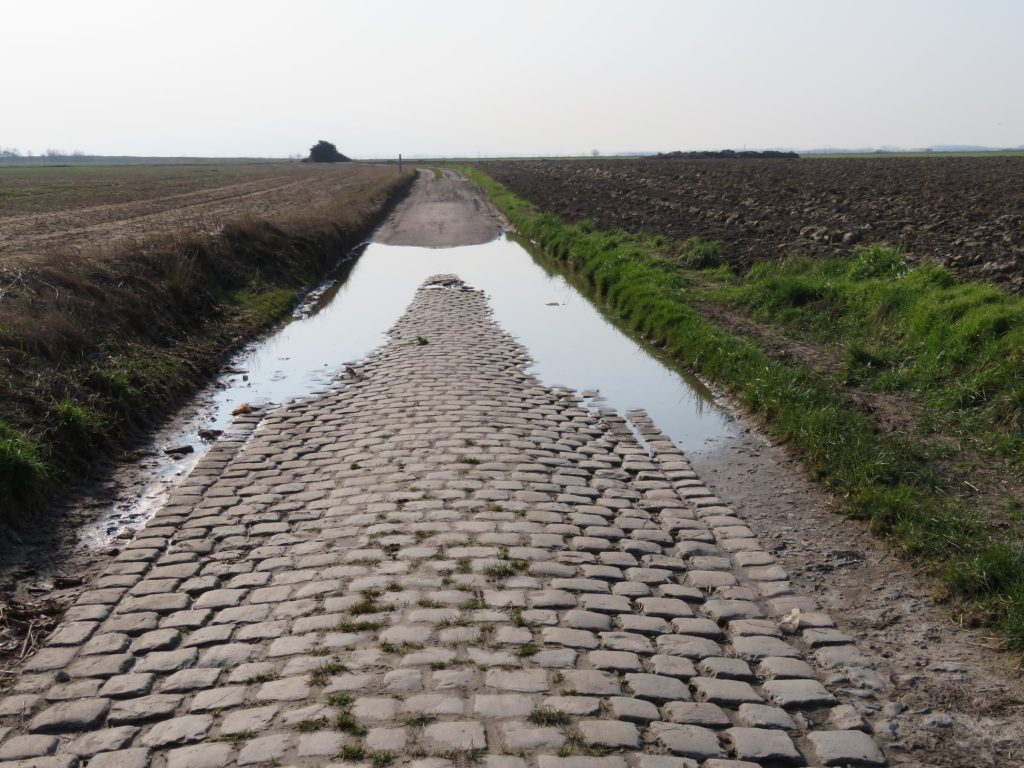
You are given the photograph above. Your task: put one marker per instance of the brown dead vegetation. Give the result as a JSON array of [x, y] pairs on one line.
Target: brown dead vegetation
[[99, 339]]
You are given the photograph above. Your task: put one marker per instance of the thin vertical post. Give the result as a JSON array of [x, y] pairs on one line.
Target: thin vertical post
[[399, 163]]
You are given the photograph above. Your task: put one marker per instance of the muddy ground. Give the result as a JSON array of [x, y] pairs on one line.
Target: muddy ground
[[967, 213]]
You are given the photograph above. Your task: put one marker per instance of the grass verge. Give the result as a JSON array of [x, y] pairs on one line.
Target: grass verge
[[889, 479], [94, 346]]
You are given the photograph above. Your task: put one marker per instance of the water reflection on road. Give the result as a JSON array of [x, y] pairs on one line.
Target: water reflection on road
[[572, 344]]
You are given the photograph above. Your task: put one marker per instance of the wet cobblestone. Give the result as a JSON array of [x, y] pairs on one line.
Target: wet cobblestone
[[439, 563]]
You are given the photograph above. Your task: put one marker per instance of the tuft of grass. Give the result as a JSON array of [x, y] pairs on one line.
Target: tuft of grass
[[22, 463], [549, 716], [359, 625], [347, 723], [262, 677], [421, 341], [575, 744], [368, 604], [75, 418], [344, 721], [419, 721], [505, 569], [341, 699], [322, 674], [352, 753], [309, 726], [262, 307], [697, 253], [397, 648], [235, 738]]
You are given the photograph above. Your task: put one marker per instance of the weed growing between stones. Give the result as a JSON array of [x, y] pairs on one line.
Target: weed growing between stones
[[419, 721], [504, 570], [575, 744], [549, 716], [368, 604], [322, 674], [235, 738], [344, 721]]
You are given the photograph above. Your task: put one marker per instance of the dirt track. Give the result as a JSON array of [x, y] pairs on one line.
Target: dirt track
[[440, 213]]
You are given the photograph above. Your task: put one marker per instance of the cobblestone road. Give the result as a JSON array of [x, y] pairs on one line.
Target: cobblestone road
[[443, 563]]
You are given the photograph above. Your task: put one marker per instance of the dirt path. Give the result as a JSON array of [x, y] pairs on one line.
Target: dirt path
[[442, 212]]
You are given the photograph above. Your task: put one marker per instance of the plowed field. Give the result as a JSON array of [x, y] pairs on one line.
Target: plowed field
[[43, 209], [967, 213]]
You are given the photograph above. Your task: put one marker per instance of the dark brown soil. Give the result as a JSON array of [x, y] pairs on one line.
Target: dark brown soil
[[967, 213]]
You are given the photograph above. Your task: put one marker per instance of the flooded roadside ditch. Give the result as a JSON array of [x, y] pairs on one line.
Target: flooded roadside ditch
[[572, 345]]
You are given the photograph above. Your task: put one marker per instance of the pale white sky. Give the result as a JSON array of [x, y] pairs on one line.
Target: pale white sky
[[253, 77]]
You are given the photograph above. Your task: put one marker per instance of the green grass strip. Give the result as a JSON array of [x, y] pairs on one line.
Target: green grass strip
[[957, 346], [886, 479]]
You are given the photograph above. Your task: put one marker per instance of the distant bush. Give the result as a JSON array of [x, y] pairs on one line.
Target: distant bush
[[325, 152]]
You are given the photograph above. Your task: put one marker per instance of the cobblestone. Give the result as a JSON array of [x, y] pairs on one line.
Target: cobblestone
[[441, 559]]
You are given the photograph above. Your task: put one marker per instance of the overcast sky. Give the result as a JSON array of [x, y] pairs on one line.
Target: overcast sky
[[437, 77]]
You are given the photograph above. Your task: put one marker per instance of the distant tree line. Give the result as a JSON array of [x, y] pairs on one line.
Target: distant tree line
[[725, 154], [12, 153]]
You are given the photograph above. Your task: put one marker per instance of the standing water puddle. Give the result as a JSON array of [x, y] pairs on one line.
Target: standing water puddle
[[571, 343]]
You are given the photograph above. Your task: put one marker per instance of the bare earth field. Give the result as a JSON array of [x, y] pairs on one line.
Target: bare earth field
[[967, 213], [53, 208]]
